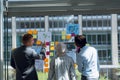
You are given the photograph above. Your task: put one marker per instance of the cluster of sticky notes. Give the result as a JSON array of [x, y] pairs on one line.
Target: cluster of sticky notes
[[33, 32], [52, 44], [63, 35], [46, 64]]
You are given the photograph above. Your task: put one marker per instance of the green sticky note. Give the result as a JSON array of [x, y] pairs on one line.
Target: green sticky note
[[63, 32], [35, 36], [52, 43], [63, 37], [51, 54]]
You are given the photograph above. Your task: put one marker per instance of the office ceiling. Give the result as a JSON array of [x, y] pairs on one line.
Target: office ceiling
[[62, 7]]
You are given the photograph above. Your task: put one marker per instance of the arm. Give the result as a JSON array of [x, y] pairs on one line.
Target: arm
[[79, 62], [51, 70], [38, 56], [12, 62], [72, 71]]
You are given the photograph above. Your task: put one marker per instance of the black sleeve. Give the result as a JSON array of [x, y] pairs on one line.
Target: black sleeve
[[12, 62]]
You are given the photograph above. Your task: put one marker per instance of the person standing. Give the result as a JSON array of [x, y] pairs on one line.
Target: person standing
[[62, 66], [23, 59], [87, 59]]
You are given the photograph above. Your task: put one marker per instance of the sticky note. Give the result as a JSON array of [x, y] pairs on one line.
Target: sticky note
[[47, 43], [56, 43], [30, 32], [63, 37], [46, 65], [52, 48], [47, 53], [35, 36], [63, 32], [68, 37], [38, 42], [46, 69], [35, 31], [73, 34], [51, 53], [52, 44], [46, 60]]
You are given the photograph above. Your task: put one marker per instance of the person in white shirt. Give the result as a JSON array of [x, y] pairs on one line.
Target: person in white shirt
[[62, 66], [87, 59]]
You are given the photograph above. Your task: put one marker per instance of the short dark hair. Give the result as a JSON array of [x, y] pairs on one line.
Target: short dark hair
[[80, 40], [26, 38]]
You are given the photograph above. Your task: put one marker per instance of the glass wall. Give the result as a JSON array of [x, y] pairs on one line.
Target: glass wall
[[96, 28]]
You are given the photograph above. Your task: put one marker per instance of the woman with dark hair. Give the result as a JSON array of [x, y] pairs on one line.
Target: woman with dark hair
[[87, 59]]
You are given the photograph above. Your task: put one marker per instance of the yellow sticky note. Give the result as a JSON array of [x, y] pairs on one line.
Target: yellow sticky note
[[35, 36], [52, 44], [52, 48], [51, 54]]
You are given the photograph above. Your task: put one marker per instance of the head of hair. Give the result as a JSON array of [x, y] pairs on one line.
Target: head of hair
[[26, 38], [60, 49], [80, 40]]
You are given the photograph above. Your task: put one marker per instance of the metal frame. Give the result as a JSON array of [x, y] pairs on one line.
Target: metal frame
[[1, 39], [114, 39], [14, 32]]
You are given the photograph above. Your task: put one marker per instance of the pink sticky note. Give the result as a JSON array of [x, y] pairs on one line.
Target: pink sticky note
[[47, 43], [47, 53], [72, 34]]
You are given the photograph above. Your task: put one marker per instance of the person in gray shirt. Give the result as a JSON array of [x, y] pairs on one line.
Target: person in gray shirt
[[23, 59], [61, 66]]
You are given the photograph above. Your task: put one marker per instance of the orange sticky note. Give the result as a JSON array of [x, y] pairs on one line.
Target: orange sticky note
[[38, 42], [35, 31], [56, 43], [46, 69], [46, 65], [46, 60], [68, 37], [30, 32]]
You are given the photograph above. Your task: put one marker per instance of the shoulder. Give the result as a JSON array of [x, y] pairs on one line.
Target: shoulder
[[92, 48], [69, 58]]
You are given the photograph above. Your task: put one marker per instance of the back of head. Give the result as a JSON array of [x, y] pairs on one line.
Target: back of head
[[80, 40], [27, 39], [60, 49]]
